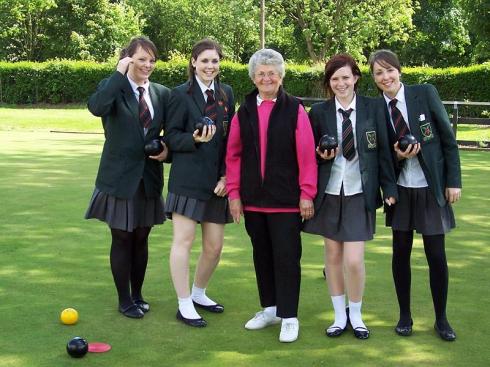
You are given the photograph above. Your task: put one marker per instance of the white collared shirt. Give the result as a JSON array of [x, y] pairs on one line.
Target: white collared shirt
[[204, 88], [260, 100], [345, 172], [146, 95], [412, 174]]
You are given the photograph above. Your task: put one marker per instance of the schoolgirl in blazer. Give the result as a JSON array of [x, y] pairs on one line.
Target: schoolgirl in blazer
[[197, 182], [349, 180], [128, 188], [429, 181]]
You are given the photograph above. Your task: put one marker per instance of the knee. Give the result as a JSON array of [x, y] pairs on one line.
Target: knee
[[354, 266], [334, 258], [212, 250], [183, 242]]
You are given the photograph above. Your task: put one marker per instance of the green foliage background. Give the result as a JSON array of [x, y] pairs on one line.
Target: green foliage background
[[74, 81]]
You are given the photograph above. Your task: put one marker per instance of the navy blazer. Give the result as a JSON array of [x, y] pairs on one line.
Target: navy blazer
[[123, 162], [197, 167], [373, 148], [429, 123]]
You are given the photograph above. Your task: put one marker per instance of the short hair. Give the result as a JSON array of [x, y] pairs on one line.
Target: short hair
[[135, 43], [266, 56], [385, 58], [335, 63], [197, 49]]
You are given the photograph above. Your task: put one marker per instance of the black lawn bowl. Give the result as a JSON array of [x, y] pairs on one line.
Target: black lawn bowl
[[405, 141], [154, 147], [77, 347], [203, 121], [327, 143]]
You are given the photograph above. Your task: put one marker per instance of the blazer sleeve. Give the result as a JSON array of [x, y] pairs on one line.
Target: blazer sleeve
[[449, 145], [315, 120], [165, 101], [387, 176], [102, 101], [229, 116], [178, 139]]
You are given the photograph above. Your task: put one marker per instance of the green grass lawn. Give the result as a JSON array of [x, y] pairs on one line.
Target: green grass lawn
[[78, 118], [51, 258]]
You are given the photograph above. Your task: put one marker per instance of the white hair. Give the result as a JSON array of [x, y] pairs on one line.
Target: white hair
[[266, 56]]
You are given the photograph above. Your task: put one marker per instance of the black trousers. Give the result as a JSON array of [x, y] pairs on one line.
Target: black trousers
[[276, 242]]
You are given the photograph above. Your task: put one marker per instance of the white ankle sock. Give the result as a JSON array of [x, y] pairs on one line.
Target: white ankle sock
[[271, 311], [355, 314], [338, 303], [186, 308], [199, 296]]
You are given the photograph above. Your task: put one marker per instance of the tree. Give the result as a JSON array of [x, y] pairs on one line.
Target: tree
[[89, 29], [37, 30], [23, 28], [478, 14], [332, 26], [175, 25], [440, 36]]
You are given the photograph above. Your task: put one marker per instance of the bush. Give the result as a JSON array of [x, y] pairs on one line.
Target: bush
[[73, 81]]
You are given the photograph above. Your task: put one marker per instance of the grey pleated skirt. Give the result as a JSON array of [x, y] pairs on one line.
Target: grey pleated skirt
[[417, 209], [343, 219], [126, 214], [214, 210]]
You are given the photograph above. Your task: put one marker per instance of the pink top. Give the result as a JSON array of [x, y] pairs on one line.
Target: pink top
[[305, 153]]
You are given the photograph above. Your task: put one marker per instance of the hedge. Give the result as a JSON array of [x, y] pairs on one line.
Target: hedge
[[73, 81]]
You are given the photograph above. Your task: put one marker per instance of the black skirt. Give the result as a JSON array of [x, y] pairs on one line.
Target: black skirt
[[214, 210], [343, 219], [126, 214], [417, 209]]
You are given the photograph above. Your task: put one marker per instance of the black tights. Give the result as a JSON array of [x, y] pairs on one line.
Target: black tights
[[129, 257], [438, 271]]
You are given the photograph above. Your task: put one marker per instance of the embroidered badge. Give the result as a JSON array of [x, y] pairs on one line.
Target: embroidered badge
[[371, 139], [426, 130]]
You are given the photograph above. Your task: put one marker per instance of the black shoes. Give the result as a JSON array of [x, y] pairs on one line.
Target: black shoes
[[132, 311], [446, 333], [191, 322], [142, 305], [404, 330], [361, 332], [217, 308], [334, 331]]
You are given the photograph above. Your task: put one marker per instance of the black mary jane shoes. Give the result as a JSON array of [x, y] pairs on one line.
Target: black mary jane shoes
[[404, 330], [132, 311], [217, 308], [191, 322]]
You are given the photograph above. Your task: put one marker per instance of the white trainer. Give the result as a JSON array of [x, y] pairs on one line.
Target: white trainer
[[261, 320], [289, 331]]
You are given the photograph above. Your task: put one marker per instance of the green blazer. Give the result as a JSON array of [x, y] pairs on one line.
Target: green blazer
[[196, 167], [372, 147], [429, 123], [123, 162]]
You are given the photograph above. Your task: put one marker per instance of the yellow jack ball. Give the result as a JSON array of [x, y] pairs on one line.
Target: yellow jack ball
[[69, 316]]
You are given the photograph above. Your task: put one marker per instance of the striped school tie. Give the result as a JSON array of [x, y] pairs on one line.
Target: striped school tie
[[211, 110], [399, 123], [348, 150], [144, 111]]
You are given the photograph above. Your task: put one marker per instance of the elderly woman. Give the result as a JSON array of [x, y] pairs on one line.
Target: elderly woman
[[271, 177]]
